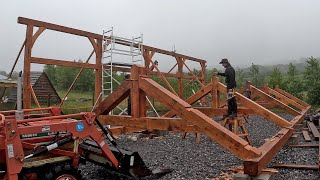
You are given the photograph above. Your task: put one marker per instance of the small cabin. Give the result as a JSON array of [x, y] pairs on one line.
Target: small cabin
[[42, 87]]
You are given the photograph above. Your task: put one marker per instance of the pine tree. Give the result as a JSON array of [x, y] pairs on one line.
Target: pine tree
[[312, 80], [275, 78]]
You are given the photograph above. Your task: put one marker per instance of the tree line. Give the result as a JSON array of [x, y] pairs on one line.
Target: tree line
[[302, 84]]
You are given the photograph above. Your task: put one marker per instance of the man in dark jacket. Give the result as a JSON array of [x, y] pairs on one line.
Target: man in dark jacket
[[231, 85]]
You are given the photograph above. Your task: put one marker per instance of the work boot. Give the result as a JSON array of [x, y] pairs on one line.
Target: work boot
[[225, 116], [231, 116]]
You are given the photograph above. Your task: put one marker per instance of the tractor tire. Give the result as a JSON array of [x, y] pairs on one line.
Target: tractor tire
[[61, 171]]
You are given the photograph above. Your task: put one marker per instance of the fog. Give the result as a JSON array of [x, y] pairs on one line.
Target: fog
[[245, 32]]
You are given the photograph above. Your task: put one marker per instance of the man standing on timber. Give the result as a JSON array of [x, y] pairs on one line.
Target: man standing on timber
[[231, 85]]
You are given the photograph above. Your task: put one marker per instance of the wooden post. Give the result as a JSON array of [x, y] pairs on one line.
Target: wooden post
[[142, 104], [180, 74], [203, 80], [215, 93], [98, 78], [134, 92], [27, 69]]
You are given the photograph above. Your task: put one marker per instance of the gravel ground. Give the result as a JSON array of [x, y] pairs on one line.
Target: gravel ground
[[207, 160]]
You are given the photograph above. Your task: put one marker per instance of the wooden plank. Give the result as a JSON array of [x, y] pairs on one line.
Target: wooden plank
[[314, 130], [304, 145], [212, 129], [8, 85], [274, 101], [306, 136], [62, 63], [297, 166]]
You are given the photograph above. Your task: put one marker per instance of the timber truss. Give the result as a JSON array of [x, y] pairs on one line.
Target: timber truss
[[183, 117]]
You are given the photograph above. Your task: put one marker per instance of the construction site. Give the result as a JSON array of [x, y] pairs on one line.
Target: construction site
[[273, 136]]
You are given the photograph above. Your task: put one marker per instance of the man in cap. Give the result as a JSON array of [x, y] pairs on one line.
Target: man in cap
[[231, 85]]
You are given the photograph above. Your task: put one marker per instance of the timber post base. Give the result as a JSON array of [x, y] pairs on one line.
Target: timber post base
[[262, 176]]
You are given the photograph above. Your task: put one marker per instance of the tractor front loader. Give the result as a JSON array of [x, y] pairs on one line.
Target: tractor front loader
[[49, 145]]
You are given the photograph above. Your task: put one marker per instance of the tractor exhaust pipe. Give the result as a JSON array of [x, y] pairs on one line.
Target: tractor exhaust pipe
[[19, 113]]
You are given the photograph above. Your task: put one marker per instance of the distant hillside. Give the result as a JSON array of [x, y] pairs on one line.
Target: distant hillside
[[267, 69]]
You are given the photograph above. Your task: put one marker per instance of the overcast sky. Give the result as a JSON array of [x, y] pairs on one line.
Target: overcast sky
[[245, 32]]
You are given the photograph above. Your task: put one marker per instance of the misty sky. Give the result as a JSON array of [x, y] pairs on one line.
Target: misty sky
[[262, 32]]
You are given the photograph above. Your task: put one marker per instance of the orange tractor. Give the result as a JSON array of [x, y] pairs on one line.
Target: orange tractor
[[50, 145]]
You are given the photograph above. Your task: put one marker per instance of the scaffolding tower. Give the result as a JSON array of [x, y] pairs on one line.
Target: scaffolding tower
[[113, 47]]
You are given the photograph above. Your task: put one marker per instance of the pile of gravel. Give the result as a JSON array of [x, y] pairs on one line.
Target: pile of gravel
[[206, 160]]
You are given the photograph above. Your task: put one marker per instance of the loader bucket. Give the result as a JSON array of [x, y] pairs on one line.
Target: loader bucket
[[138, 169], [131, 163]]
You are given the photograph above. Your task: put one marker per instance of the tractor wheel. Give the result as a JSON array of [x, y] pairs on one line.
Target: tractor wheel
[[64, 171]]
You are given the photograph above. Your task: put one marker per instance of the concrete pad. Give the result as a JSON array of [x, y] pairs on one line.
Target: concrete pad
[[263, 176], [241, 176], [292, 140]]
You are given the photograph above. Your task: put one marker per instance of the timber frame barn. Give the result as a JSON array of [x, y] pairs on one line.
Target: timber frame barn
[[182, 117]]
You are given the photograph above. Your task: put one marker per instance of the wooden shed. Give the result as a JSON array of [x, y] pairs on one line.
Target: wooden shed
[[43, 89]]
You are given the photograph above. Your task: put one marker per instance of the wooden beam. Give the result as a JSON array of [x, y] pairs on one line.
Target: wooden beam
[[297, 166], [38, 60], [27, 68], [123, 130], [36, 23], [135, 92], [212, 129], [253, 167], [258, 109], [314, 130], [149, 123], [304, 145], [214, 112], [174, 54], [8, 85], [196, 78], [37, 34], [98, 73], [147, 57], [74, 80], [215, 93], [274, 101], [113, 99], [282, 98], [192, 99], [304, 104], [306, 136], [180, 74], [59, 28]]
